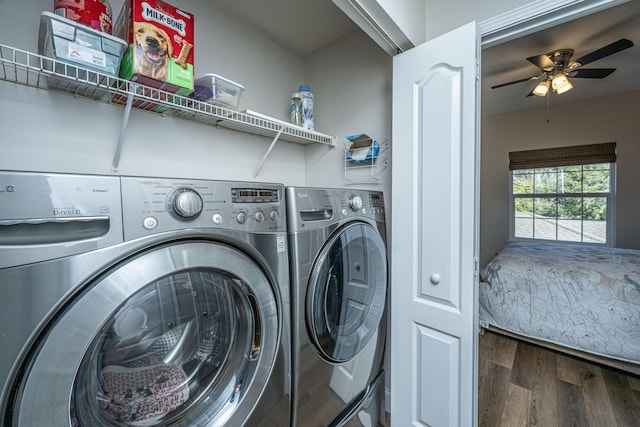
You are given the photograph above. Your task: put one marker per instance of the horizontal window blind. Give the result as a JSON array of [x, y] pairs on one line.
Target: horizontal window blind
[[563, 156]]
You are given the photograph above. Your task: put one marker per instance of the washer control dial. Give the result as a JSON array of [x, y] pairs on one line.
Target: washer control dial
[[259, 216], [355, 203], [186, 203], [274, 215]]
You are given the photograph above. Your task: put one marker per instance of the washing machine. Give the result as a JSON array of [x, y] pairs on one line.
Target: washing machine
[[339, 280], [137, 301]]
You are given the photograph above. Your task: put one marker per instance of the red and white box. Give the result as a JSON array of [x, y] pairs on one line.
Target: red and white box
[[94, 13], [161, 40]]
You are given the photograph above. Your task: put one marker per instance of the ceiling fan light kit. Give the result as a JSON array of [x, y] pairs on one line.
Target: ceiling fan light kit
[[557, 67], [542, 88], [561, 84]]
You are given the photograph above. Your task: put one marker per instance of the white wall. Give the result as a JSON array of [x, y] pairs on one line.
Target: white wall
[[408, 15], [48, 131], [444, 16], [352, 79], [607, 119]]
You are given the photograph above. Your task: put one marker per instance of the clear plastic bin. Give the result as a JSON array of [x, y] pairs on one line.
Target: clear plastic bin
[[71, 42], [217, 90]]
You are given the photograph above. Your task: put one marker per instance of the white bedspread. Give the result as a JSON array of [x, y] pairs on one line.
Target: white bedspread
[[582, 297]]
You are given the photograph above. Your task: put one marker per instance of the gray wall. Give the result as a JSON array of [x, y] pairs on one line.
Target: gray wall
[[607, 119]]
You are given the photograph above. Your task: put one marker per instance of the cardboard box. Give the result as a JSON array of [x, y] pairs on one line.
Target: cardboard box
[[161, 39]]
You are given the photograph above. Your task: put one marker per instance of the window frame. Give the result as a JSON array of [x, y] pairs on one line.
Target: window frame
[[610, 217]]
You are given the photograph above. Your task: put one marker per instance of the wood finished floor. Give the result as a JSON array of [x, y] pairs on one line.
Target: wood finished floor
[[525, 385]]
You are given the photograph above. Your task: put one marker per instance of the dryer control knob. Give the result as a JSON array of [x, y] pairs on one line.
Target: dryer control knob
[[259, 216], [186, 203], [355, 203], [241, 217]]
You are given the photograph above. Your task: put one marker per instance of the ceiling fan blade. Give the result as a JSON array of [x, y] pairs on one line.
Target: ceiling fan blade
[[610, 49], [542, 61], [515, 81], [591, 73]]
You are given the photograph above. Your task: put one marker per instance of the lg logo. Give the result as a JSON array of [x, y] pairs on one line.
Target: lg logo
[[9, 189]]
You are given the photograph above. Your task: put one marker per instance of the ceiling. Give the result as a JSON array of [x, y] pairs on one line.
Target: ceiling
[[307, 25], [300, 25], [507, 62]]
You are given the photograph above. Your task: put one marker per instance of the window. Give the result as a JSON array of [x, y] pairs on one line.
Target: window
[[563, 194]]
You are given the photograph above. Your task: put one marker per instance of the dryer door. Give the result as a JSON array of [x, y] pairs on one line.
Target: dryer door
[[182, 335], [347, 292]]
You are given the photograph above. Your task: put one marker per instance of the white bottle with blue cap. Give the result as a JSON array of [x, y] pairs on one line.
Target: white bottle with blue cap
[[307, 107]]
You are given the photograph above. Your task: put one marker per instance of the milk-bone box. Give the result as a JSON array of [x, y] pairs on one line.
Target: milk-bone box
[[160, 38]]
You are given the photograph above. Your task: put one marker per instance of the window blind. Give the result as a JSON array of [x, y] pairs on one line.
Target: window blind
[[563, 156]]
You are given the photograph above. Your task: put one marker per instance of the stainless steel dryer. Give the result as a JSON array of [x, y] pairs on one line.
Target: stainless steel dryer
[[142, 301], [339, 281]]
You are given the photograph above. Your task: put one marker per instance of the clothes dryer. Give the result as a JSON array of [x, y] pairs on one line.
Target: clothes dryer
[[142, 301], [339, 280]]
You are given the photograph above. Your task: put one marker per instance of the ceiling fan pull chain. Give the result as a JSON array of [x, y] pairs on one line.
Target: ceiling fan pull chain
[[548, 107]]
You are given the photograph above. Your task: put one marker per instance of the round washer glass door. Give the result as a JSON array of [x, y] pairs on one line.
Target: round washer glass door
[[181, 335], [347, 292]]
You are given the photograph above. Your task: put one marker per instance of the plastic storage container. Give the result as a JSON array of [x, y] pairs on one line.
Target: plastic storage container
[[69, 41], [217, 90]]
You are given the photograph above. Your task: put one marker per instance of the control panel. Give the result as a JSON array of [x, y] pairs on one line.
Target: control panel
[[315, 207], [164, 204], [59, 214]]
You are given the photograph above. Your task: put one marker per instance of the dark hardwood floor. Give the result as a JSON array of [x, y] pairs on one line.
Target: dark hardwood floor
[[522, 384]]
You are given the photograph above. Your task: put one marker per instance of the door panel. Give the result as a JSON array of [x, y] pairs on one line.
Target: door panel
[[438, 94], [153, 339], [347, 292], [438, 355], [434, 241]]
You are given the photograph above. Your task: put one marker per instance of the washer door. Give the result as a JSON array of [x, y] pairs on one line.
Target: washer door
[[347, 292], [182, 335]]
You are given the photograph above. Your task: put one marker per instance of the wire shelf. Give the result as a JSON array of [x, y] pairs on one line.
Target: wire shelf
[[370, 171], [30, 69]]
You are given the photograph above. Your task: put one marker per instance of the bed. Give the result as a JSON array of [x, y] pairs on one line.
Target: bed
[[575, 297]]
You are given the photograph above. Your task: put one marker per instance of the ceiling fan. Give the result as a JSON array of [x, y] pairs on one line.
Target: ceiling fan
[[557, 67]]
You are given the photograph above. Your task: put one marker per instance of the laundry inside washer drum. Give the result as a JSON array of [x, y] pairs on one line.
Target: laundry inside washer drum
[[163, 350]]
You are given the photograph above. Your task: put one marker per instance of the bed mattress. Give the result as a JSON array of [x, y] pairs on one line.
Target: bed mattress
[[582, 297]]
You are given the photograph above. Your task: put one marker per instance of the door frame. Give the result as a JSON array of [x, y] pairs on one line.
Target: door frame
[[537, 16], [529, 19], [523, 21]]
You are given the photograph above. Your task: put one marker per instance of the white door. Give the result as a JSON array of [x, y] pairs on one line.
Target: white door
[[434, 232]]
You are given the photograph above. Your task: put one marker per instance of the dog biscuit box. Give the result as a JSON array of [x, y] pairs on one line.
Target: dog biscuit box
[[160, 38]]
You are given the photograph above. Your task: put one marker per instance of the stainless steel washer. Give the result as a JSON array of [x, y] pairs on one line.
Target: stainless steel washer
[[339, 286], [142, 301]]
